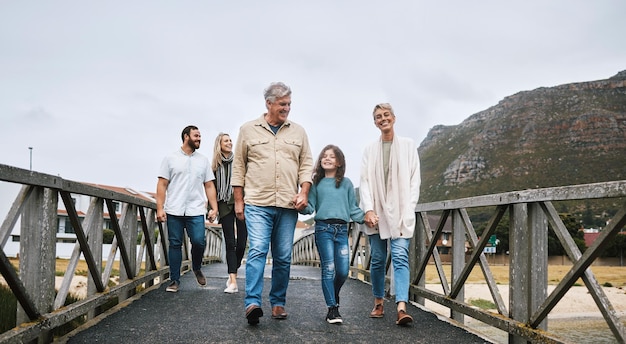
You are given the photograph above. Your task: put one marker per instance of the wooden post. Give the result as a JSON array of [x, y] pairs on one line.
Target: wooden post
[[417, 253], [458, 258], [519, 271], [128, 226], [538, 260], [93, 225], [38, 252]]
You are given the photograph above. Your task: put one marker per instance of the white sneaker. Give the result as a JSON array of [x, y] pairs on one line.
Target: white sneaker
[[231, 289]]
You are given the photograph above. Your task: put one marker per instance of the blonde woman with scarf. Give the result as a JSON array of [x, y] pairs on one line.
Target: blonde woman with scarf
[[389, 191], [235, 244]]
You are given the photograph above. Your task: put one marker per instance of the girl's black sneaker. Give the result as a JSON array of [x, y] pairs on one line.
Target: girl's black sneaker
[[333, 316]]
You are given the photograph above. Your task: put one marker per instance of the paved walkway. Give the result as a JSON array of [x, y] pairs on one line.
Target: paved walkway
[[208, 315]]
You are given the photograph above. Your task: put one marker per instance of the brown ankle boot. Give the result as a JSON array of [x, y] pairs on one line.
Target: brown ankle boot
[[403, 318], [378, 311]]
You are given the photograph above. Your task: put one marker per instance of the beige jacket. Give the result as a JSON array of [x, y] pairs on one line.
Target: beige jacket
[[269, 167]]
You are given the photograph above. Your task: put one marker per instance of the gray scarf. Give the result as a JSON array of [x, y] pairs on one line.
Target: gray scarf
[[222, 178]]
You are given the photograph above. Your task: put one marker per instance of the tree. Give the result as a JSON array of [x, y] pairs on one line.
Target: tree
[[554, 245], [555, 248], [502, 233], [617, 247]]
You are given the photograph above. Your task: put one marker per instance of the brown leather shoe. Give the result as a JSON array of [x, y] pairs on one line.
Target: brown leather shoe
[[403, 318], [278, 312], [200, 278], [253, 313], [378, 311]]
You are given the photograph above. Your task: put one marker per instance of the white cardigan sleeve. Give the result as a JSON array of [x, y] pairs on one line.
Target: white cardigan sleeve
[[415, 174], [366, 197], [365, 192]]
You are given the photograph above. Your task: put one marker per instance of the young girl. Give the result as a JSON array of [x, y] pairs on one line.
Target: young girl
[[333, 199]]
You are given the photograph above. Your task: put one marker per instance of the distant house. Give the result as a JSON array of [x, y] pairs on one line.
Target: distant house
[[66, 233], [590, 235], [444, 243], [82, 203]]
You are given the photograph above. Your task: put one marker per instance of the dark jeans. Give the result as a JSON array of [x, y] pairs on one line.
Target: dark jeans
[[235, 247], [196, 232]]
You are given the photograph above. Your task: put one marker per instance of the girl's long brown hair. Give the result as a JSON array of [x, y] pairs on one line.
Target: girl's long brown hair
[[318, 173]]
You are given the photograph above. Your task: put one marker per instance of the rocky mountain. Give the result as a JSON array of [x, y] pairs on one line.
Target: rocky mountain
[[551, 136]]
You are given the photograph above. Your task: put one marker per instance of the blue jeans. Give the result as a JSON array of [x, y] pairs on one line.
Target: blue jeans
[[400, 260], [175, 230], [275, 226], [332, 244]]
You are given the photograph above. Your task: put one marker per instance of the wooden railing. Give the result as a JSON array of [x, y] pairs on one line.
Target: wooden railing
[[531, 214], [141, 267]]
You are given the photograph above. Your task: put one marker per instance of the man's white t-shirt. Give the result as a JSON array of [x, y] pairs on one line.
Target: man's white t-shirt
[[185, 195]]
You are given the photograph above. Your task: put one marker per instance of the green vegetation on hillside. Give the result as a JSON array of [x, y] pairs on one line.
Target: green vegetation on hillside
[[564, 135]]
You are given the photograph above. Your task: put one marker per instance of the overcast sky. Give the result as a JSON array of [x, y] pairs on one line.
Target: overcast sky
[[102, 90]]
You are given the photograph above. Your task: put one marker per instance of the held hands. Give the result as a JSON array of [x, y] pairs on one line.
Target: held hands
[[300, 201], [371, 219], [212, 215]]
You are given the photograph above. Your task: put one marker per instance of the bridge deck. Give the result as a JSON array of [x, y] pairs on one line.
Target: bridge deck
[[208, 315]]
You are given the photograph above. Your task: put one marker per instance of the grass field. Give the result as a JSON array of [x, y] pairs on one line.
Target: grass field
[[615, 275], [81, 267]]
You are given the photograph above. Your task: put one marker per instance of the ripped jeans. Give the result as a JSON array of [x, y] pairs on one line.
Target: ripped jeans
[[332, 244]]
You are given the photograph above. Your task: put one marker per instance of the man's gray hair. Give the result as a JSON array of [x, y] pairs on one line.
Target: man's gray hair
[[276, 90]]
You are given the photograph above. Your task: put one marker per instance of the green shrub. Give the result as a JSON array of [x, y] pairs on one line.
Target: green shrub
[[8, 312], [107, 236], [482, 303], [8, 308]]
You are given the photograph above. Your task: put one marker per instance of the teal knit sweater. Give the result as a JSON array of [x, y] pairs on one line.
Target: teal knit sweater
[[330, 202]]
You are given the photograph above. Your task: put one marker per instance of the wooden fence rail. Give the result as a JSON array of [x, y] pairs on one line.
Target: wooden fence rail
[[531, 214], [40, 306]]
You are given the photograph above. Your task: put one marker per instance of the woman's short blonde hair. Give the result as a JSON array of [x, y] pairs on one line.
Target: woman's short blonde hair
[[383, 106]]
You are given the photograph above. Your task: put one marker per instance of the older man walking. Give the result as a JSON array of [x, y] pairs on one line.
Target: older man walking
[[271, 179]]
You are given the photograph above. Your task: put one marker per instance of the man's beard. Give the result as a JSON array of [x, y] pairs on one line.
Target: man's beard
[[192, 145]]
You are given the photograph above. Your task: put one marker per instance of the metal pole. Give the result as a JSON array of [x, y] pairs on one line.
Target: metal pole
[[31, 157]]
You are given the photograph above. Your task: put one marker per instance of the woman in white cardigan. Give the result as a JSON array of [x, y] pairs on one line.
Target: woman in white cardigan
[[389, 191]]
